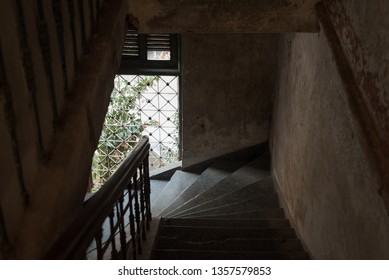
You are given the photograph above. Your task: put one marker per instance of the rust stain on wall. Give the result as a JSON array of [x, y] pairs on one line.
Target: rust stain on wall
[[373, 96], [368, 81]]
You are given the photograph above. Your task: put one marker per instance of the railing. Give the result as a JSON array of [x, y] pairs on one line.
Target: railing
[[116, 218]]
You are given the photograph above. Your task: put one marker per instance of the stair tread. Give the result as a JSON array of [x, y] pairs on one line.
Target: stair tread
[[243, 176], [258, 189], [227, 222], [212, 175], [213, 233], [225, 214], [177, 184], [227, 255], [232, 244], [156, 187], [252, 204], [255, 214]]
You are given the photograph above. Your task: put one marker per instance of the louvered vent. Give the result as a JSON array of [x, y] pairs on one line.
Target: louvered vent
[[158, 46], [154, 54], [131, 44]]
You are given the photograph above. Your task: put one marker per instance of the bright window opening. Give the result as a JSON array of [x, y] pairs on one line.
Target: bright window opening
[[139, 105]]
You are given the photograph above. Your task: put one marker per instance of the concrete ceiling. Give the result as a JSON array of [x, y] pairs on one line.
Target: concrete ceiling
[[223, 16]]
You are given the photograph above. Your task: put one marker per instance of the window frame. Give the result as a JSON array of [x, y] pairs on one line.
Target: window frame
[[140, 65]]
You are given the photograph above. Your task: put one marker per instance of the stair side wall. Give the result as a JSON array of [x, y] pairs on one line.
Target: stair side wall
[[319, 156]]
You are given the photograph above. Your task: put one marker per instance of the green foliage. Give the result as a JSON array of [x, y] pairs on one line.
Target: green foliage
[[122, 128], [170, 151]]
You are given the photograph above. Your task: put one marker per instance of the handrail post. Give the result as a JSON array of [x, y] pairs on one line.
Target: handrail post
[[142, 201], [137, 214], [147, 191], [132, 221], [112, 229], [122, 230]]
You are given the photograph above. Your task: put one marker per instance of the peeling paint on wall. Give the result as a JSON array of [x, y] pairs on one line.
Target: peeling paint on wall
[[368, 78], [366, 71]]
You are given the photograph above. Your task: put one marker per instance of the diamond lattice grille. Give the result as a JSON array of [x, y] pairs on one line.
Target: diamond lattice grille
[[140, 105]]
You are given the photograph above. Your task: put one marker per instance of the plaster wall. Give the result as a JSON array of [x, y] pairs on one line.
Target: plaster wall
[[362, 31], [57, 64], [227, 92], [319, 161]]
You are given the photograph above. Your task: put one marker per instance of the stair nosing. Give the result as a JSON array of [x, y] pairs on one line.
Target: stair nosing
[[228, 205], [266, 174]]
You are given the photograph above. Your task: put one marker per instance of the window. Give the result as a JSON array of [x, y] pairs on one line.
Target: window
[[150, 54], [144, 101]]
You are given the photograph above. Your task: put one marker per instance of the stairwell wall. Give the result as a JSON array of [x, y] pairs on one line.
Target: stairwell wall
[[57, 64], [319, 156], [227, 93]]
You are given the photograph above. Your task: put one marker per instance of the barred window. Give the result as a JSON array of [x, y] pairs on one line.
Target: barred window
[[144, 101]]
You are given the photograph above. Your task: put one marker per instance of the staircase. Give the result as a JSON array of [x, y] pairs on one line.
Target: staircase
[[228, 211]]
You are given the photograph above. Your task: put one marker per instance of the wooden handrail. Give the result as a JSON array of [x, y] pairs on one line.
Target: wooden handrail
[[76, 239]]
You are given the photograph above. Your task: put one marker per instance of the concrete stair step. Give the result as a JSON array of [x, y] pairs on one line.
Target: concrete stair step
[[242, 223], [230, 211], [262, 191], [177, 184], [271, 213], [256, 203], [231, 244], [212, 175], [156, 187], [204, 234], [226, 255], [246, 175]]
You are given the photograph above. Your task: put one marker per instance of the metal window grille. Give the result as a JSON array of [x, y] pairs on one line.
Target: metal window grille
[[140, 105]]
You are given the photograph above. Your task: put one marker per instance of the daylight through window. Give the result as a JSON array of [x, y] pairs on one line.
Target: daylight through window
[[139, 105]]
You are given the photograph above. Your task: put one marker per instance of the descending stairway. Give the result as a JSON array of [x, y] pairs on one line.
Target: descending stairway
[[228, 211]]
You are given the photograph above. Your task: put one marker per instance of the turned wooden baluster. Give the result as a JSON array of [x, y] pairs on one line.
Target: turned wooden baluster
[[137, 214], [123, 246], [147, 190], [99, 247], [132, 221], [142, 201], [114, 252]]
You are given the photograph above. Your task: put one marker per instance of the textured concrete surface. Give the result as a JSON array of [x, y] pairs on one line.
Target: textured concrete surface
[[241, 223], [248, 174], [271, 213], [228, 85], [179, 182], [212, 175], [318, 158], [362, 31], [156, 188], [211, 238], [245, 193], [54, 176], [222, 16], [220, 255], [237, 244], [248, 204]]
